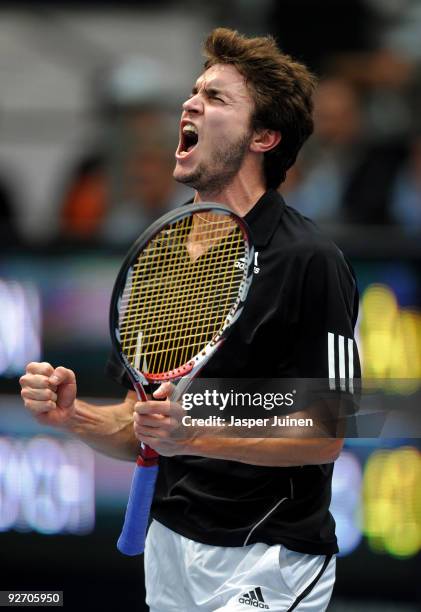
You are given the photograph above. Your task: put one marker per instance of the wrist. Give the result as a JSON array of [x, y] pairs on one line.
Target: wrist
[[200, 445], [73, 423], [189, 446]]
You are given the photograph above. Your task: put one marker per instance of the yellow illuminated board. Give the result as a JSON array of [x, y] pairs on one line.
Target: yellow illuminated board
[[390, 340], [391, 496]]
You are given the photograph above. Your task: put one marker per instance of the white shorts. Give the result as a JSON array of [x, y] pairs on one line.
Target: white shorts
[[186, 576]]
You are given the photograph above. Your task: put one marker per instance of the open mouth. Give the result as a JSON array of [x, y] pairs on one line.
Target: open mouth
[[189, 138]]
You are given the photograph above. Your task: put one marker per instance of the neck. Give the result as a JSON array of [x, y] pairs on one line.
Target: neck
[[241, 194]]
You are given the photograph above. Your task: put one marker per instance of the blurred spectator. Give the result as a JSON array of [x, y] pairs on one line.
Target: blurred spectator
[[140, 172], [357, 167], [400, 25], [387, 73], [406, 191], [84, 204], [341, 175], [323, 168], [316, 187], [386, 81], [117, 191]]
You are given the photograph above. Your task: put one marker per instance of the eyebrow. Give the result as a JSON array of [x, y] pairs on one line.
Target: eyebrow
[[211, 90]]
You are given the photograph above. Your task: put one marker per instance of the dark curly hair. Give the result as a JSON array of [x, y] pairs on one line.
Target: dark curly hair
[[282, 90]]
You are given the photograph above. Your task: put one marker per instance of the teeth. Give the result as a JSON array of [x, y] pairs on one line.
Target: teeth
[[189, 128]]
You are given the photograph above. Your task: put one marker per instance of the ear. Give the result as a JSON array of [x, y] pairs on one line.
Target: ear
[[264, 140]]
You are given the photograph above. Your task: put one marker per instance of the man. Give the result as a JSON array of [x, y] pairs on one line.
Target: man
[[244, 522]]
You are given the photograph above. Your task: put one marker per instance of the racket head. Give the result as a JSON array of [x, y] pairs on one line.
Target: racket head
[[172, 306]]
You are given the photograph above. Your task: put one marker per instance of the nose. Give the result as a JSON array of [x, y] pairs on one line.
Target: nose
[[194, 104]]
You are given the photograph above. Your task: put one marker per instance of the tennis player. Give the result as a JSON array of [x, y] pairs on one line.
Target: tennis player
[[239, 524]]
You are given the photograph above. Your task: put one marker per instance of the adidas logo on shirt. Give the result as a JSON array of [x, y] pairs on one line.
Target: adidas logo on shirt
[[240, 263], [254, 599]]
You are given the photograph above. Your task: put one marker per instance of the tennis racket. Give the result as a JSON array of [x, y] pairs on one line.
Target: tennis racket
[[181, 288]]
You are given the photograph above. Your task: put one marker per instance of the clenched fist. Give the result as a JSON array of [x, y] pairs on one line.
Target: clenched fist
[[49, 393]]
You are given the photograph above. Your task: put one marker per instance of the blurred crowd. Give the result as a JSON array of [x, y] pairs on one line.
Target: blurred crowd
[[362, 165], [350, 174], [118, 186], [115, 192]]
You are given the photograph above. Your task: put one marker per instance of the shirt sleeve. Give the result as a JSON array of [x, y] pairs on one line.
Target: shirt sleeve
[[326, 355], [325, 346]]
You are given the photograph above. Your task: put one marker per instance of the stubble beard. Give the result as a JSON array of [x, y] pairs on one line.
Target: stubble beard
[[213, 177]]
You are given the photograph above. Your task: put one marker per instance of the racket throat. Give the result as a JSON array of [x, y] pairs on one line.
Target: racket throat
[[138, 353]]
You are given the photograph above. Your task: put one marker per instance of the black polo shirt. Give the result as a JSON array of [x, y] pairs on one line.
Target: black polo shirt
[[298, 322]]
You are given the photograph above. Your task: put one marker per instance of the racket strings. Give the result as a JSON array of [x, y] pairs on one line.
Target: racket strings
[[179, 252], [167, 282], [163, 308], [189, 318], [180, 292], [214, 284], [173, 237]]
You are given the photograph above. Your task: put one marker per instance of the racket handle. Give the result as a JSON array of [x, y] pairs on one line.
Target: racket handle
[[132, 539]]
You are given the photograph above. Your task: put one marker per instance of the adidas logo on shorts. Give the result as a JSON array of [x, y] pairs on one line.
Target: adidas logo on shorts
[[254, 599]]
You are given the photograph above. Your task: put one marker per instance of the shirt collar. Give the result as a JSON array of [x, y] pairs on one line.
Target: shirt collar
[[264, 217]]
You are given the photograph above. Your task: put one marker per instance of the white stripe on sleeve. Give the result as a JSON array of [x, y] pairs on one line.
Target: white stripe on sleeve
[[341, 350], [331, 359], [351, 364]]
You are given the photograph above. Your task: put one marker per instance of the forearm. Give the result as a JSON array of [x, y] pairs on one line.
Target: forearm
[[275, 452], [107, 429], [159, 424]]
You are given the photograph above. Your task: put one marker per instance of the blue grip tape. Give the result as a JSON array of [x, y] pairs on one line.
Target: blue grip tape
[[132, 539]]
